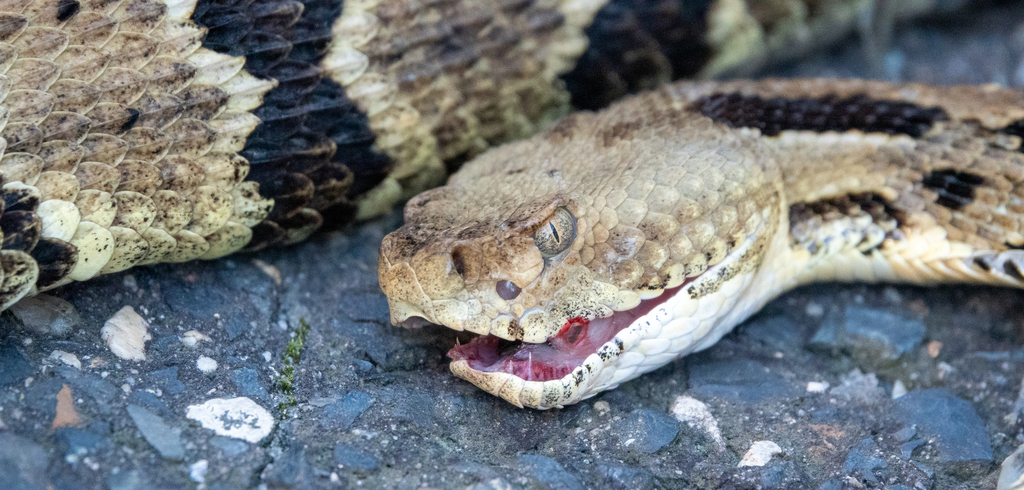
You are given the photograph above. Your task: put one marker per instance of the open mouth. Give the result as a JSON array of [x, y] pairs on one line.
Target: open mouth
[[560, 354]]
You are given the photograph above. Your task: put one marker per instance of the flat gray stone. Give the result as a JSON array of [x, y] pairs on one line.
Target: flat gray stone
[[744, 381], [548, 472], [22, 463], [345, 411], [646, 430], [957, 430], [874, 332], [163, 437], [350, 457]]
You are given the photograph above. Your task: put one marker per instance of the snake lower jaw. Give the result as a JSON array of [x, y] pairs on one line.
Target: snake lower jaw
[[563, 369], [587, 357]]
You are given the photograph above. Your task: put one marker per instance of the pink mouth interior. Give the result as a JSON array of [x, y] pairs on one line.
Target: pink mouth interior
[[559, 355]]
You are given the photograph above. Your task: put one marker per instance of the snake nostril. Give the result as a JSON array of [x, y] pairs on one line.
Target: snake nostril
[[508, 290]]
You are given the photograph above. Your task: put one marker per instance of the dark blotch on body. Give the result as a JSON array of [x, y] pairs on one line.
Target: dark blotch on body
[[637, 45], [955, 189], [67, 9], [1015, 128], [859, 112], [133, 117]]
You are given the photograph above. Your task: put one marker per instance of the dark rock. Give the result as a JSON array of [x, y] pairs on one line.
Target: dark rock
[[164, 438], [778, 332], [248, 382], [349, 457], [548, 472], [414, 406], [367, 308], [230, 447], [46, 314], [871, 332], [289, 470], [14, 366], [150, 402], [782, 475], [384, 348], [648, 430], [344, 412], [624, 477], [83, 384], [81, 440], [167, 380], [128, 480], [831, 484], [862, 460], [907, 448], [22, 463], [163, 345], [42, 396], [858, 386], [744, 381], [235, 327], [958, 432]]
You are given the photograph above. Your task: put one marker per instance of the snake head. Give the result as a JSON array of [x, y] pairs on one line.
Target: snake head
[[514, 273], [554, 249]]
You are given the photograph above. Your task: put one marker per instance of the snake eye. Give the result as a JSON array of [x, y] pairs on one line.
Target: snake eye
[[557, 234]]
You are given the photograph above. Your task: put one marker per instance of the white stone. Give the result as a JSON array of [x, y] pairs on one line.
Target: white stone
[[760, 453], [126, 334], [898, 389], [206, 364], [1011, 474], [817, 386], [67, 358], [696, 414], [239, 418], [197, 471], [193, 337]]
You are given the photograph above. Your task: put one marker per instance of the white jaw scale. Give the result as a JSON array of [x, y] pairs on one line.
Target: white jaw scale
[[679, 326]]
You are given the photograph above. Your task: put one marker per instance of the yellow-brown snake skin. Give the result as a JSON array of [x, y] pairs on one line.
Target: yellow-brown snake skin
[[617, 241], [135, 132]]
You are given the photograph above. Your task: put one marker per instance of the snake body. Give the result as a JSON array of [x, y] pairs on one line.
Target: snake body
[[135, 132], [617, 241]]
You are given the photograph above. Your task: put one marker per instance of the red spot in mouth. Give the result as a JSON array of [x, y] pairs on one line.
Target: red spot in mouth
[[559, 355], [571, 331]]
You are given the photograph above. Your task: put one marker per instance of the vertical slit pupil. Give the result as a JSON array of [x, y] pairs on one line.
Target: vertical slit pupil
[[554, 231]]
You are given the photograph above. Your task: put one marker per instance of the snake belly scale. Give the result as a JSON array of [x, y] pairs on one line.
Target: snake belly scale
[[690, 208]]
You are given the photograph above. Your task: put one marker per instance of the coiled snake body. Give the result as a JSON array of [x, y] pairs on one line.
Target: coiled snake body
[[135, 132], [615, 242]]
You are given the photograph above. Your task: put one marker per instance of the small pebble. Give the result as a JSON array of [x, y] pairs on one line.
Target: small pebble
[[1011, 473], [760, 453], [240, 418], [898, 389], [126, 334], [696, 414], [817, 386], [193, 337], [197, 471], [66, 358], [206, 364]]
